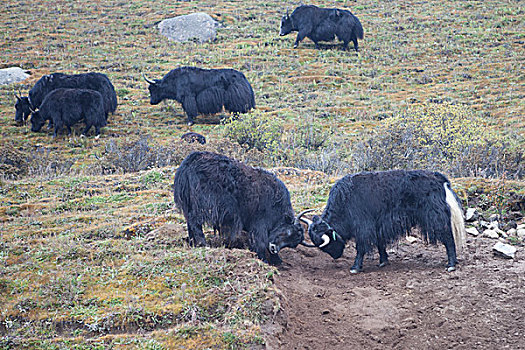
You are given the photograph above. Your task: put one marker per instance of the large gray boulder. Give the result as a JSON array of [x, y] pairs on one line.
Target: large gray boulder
[[12, 75], [196, 26]]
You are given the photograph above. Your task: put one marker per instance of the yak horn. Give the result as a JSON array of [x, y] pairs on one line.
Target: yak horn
[[326, 240], [305, 220], [148, 80], [307, 244]]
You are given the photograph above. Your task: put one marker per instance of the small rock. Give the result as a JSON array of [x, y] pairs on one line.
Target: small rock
[[512, 232], [472, 214], [472, 231], [521, 233], [411, 239], [494, 217], [196, 26], [490, 234], [521, 226], [494, 225], [12, 75], [484, 224], [504, 250]]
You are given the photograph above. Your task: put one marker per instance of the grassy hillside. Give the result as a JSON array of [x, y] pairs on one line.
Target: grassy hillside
[[81, 262]]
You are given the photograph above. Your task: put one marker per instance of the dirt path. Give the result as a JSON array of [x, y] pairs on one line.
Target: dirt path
[[411, 304]]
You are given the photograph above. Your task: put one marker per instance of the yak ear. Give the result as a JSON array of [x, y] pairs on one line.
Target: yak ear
[[287, 15]]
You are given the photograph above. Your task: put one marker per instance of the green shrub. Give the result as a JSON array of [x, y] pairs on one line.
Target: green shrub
[[445, 137], [255, 130]]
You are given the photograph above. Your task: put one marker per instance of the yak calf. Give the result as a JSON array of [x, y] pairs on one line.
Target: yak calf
[[93, 81], [65, 107], [378, 208]]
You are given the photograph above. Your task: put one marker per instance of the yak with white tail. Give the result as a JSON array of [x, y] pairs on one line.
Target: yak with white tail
[[377, 208]]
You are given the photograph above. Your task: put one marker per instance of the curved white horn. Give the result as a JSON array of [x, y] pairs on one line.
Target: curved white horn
[[305, 220], [148, 80], [326, 240]]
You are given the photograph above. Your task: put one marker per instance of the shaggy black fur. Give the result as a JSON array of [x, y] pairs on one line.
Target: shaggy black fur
[[23, 109], [204, 91], [93, 81], [231, 197], [65, 107], [378, 208], [321, 24]]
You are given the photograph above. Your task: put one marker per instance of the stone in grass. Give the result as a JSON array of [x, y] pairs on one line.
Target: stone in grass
[[504, 250], [12, 75], [472, 214], [196, 26], [490, 234], [472, 231]]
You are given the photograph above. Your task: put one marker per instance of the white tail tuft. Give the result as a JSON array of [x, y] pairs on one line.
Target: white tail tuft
[[456, 219]]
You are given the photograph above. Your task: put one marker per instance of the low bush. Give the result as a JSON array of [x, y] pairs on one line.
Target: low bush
[[445, 137]]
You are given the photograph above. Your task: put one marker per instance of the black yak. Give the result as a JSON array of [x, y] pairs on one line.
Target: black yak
[[377, 208], [65, 107], [233, 197], [204, 91], [93, 81], [320, 24]]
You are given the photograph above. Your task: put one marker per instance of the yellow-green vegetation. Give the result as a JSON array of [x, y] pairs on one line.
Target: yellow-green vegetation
[[74, 268], [86, 259], [448, 137]]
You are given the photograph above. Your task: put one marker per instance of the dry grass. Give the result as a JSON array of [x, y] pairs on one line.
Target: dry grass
[[71, 275]]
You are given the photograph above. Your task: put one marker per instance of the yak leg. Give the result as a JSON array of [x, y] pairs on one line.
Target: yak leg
[[356, 46], [58, 126], [300, 36], [86, 130], [383, 255], [189, 104], [358, 262], [231, 232], [451, 253], [195, 234]]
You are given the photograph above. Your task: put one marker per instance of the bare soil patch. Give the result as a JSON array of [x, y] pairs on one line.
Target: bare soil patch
[[411, 304]]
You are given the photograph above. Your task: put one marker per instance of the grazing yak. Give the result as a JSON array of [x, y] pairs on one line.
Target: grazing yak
[[232, 197], [320, 24], [377, 208], [204, 91], [65, 107], [93, 81]]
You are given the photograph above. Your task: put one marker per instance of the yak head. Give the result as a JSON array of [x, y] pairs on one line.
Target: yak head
[[286, 25], [23, 109], [37, 121], [325, 238], [155, 90], [288, 234]]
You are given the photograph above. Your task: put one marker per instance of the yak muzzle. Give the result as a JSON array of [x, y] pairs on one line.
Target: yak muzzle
[[273, 248]]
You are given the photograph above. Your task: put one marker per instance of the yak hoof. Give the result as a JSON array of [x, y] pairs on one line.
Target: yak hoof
[[190, 123], [451, 268], [383, 264], [354, 270]]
